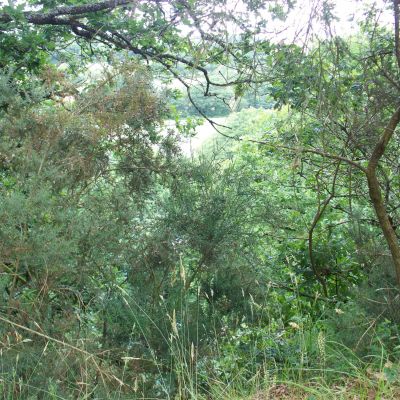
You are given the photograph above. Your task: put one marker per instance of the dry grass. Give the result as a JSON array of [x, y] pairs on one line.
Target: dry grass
[[355, 389]]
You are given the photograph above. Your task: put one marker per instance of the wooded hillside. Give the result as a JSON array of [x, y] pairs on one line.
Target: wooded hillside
[[263, 263]]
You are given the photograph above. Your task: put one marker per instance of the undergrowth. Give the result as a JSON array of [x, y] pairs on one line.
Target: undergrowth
[[264, 356]]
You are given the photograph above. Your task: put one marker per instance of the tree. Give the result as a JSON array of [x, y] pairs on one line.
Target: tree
[[185, 38], [348, 92]]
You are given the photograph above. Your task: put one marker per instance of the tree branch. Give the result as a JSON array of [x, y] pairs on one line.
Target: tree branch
[[42, 18]]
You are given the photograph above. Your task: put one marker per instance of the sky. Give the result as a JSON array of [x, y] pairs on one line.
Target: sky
[[348, 13]]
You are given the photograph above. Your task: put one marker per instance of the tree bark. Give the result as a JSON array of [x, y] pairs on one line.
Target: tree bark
[[376, 194], [384, 222], [43, 18]]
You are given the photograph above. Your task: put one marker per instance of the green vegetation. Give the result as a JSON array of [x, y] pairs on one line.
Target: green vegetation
[[265, 265]]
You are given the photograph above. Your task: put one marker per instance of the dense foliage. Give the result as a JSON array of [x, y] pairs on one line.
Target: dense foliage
[[132, 269]]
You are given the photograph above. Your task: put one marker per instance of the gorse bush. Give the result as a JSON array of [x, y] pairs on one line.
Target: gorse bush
[[68, 211]]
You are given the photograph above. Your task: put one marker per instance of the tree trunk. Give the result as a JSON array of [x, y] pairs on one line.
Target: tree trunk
[[384, 222], [376, 195]]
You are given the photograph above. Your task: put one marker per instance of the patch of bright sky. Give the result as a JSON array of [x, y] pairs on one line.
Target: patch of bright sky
[[348, 16], [303, 22]]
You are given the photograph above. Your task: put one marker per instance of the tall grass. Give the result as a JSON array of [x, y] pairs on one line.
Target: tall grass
[[294, 359]]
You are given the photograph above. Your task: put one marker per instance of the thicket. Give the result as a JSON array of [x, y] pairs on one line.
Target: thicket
[[261, 266]]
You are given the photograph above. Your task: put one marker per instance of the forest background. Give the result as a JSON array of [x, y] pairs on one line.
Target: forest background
[[265, 263]]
